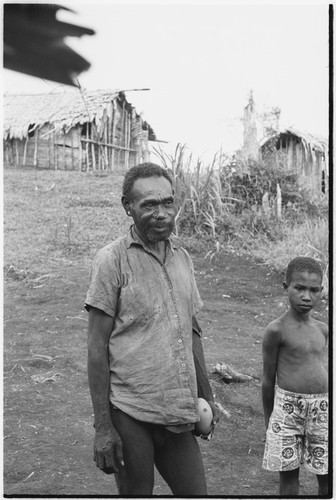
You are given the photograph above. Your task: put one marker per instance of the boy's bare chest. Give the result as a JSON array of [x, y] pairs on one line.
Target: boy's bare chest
[[304, 340]]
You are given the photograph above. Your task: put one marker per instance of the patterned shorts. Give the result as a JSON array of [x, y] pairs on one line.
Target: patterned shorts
[[297, 432]]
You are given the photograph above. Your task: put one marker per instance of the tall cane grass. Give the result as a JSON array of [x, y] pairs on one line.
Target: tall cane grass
[[310, 239], [198, 190]]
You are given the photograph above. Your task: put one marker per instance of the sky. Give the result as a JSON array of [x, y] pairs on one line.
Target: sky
[[200, 61]]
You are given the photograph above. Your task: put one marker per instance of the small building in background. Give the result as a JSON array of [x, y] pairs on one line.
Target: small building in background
[[304, 154], [74, 130]]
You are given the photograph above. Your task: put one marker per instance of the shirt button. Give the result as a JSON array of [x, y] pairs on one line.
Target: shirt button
[[183, 365], [175, 315], [179, 341]]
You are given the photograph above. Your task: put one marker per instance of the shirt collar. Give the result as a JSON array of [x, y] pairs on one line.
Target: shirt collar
[[133, 239]]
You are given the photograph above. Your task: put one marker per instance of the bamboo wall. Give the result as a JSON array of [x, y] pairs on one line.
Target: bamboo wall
[[117, 142], [307, 163], [310, 165], [42, 151]]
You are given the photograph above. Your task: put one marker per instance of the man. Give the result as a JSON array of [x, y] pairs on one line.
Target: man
[[145, 358]]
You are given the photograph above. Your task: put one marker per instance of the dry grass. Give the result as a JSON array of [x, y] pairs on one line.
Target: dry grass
[[52, 216], [310, 238]]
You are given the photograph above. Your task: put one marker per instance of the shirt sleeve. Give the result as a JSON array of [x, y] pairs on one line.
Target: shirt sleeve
[[197, 302], [104, 283]]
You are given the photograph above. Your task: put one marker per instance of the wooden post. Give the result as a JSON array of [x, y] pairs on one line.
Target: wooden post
[[107, 131], [125, 137], [93, 150], [109, 138], [298, 148], [35, 148], [112, 132], [17, 153], [72, 153], [6, 154], [25, 151], [87, 148], [99, 158], [80, 151], [55, 152], [93, 158], [103, 148], [127, 120], [122, 133], [64, 165], [49, 151], [121, 148], [290, 154]]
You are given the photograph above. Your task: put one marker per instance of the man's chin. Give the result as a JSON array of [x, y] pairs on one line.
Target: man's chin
[[160, 234]]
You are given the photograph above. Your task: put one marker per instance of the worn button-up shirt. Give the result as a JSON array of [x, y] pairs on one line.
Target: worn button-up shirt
[[152, 372]]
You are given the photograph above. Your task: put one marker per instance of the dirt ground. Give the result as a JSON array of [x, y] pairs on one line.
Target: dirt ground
[[48, 418], [48, 430]]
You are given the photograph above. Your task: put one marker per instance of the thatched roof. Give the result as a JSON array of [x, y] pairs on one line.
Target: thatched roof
[[309, 141], [64, 110]]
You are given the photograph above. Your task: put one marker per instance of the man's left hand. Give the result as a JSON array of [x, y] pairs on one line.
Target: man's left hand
[[215, 419], [215, 413]]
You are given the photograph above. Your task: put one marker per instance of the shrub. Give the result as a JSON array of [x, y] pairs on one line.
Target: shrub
[[248, 181], [232, 204]]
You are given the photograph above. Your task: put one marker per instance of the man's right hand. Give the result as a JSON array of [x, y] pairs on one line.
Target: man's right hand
[[107, 451]]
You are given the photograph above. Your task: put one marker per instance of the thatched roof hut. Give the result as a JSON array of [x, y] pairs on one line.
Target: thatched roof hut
[[73, 130], [304, 153]]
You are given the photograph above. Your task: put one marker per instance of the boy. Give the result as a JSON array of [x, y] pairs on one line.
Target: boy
[[295, 383]]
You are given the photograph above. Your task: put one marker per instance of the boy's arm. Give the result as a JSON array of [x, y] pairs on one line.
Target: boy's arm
[[325, 331], [107, 444], [270, 350]]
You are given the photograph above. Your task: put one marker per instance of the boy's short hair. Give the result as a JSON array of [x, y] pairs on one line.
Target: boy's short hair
[[141, 171], [301, 264]]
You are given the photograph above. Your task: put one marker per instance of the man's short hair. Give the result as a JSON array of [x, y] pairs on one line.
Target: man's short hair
[[142, 171], [302, 264]]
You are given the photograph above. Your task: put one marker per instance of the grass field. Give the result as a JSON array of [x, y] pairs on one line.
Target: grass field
[[54, 222]]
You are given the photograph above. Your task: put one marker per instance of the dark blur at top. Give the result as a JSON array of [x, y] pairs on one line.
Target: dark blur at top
[[34, 43]]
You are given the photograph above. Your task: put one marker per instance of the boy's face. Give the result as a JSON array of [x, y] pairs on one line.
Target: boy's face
[[304, 291]]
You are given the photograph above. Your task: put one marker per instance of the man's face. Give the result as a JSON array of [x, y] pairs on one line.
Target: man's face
[[152, 208], [304, 291]]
